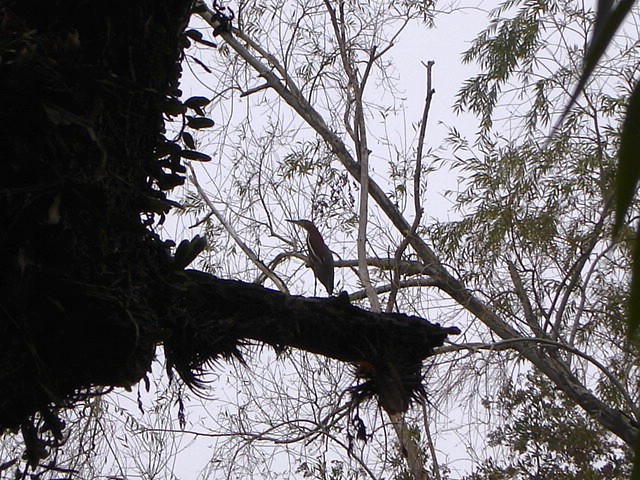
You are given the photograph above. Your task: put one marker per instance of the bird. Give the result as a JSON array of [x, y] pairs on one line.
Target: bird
[[320, 257]]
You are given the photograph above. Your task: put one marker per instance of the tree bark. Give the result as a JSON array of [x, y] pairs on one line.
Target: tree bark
[[213, 318]]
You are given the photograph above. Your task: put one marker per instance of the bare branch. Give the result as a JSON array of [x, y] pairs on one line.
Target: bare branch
[[432, 447], [574, 273], [611, 418], [529, 316], [229, 228], [253, 90], [416, 187], [405, 267], [511, 343], [380, 289], [360, 134]]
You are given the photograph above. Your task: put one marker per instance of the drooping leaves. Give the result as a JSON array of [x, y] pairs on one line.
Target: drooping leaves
[[609, 17], [627, 178], [628, 158], [187, 251]]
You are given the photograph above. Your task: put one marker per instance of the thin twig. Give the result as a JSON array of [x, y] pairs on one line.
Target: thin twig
[[510, 343], [362, 151], [574, 273], [529, 315], [253, 90], [229, 228], [416, 189], [432, 447]]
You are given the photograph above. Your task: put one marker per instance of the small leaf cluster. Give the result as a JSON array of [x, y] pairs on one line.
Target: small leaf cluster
[[547, 436]]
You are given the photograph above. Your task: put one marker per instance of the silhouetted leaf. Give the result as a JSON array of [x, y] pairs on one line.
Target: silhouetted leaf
[[188, 250], [199, 122], [197, 36], [173, 107], [194, 34], [629, 158], [197, 156], [169, 150], [197, 102], [155, 205], [634, 299], [187, 138]]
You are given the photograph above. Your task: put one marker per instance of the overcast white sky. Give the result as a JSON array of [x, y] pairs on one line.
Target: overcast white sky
[[443, 44]]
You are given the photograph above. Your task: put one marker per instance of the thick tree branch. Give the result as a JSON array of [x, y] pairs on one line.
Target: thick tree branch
[[245, 311], [213, 318], [410, 450]]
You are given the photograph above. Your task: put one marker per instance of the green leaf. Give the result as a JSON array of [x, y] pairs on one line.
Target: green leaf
[[197, 156], [199, 122], [188, 250], [629, 158]]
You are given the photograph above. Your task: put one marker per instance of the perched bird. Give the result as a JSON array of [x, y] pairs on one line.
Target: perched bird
[[320, 257]]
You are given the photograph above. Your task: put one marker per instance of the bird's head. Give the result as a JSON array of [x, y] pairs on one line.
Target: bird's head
[[306, 224]]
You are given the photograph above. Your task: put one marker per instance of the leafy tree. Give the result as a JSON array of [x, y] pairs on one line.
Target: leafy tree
[[527, 267], [531, 260], [538, 423], [89, 289]]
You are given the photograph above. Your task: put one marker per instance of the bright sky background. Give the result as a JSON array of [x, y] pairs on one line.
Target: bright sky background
[[456, 435], [443, 44]]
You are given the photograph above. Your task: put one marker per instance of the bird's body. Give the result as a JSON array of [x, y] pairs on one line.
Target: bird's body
[[320, 257]]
